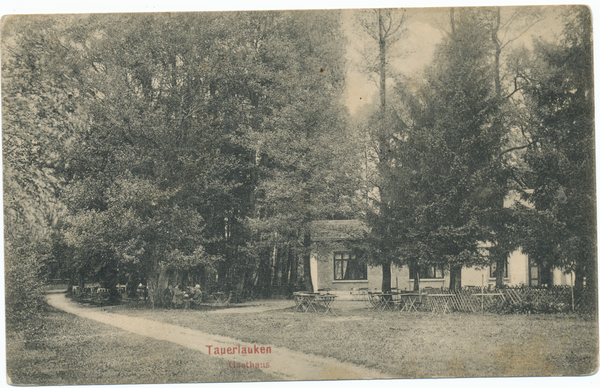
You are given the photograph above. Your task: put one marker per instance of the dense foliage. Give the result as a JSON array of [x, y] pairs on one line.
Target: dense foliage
[[485, 151], [561, 157]]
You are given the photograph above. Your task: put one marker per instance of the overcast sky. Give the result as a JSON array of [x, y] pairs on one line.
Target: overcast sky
[[412, 54]]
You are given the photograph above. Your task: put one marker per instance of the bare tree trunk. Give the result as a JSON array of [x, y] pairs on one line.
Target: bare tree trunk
[[497, 52], [455, 278], [286, 265], [417, 285], [382, 60], [414, 268], [293, 268], [273, 267], [500, 270], [306, 263], [386, 281], [157, 284]]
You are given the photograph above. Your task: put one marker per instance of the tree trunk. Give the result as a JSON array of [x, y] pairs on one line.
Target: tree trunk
[[497, 52], [293, 268], [286, 265], [273, 267], [502, 256], [161, 286], [157, 284], [279, 267], [416, 285], [386, 281], [455, 278], [306, 263], [500, 270], [239, 288], [382, 58]]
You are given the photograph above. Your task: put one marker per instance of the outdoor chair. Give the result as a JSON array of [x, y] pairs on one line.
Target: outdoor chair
[[297, 300], [374, 301], [219, 299], [195, 300]]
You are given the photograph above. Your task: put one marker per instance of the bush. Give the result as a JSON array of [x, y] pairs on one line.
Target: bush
[[24, 290], [529, 305]]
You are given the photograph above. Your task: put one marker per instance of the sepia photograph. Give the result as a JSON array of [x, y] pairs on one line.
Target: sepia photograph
[[273, 195]]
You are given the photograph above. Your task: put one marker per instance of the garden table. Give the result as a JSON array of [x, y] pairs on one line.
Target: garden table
[[383, 300], [440, 302], [326, 301], [306, 301], [406, 301]]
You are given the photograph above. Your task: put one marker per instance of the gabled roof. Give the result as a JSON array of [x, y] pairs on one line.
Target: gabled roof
[[337, 230]]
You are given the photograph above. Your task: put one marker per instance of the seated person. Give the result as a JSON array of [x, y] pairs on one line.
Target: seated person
[[196, 295]]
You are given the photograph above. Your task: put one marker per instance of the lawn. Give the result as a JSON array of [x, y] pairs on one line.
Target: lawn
[[72, 350], [413, 345]]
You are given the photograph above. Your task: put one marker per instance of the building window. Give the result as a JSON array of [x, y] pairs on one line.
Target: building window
[[493, 269], [427, 272], [346, 267]]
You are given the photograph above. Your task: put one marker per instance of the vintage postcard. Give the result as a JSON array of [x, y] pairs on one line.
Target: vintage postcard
[[299, 195]]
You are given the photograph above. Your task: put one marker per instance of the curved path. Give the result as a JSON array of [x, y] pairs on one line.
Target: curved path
[[283, 363]]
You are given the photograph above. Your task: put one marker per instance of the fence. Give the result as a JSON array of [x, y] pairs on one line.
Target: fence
[[518, 299]]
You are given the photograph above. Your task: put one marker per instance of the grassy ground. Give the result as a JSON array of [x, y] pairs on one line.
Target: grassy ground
[[73, 350], [413, 345]]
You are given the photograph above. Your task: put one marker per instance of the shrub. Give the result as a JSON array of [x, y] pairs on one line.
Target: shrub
[[24, 290]]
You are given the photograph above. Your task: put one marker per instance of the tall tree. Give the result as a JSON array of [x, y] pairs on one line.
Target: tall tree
[[206, 120], [559, 96], [450, 154], [305, 165], [386, 27], [36, 119], [157, 146], [506, 26]]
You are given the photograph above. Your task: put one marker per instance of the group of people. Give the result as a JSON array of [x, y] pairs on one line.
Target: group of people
[[179, 298]]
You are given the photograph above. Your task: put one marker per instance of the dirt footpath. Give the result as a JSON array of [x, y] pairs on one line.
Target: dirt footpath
[[283, 363]]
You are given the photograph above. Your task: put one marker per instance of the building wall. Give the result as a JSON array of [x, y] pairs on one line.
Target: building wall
[[518, 273], [563, 279], [325, 275]]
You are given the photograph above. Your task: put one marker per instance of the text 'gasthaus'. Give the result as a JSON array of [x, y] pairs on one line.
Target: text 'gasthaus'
[[238, 350]]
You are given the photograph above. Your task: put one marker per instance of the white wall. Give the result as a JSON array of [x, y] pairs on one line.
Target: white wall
[[518, 272], [518, 268]]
